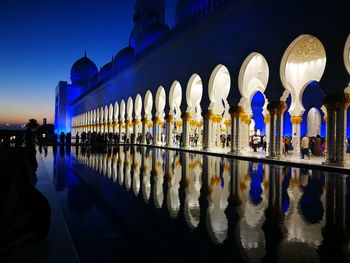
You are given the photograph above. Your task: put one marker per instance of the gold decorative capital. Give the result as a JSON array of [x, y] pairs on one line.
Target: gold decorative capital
[[267, 118], [296, 119], [235, 111], [186, 116]]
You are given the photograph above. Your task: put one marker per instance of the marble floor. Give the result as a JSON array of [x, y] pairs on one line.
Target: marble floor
[[58, 246]]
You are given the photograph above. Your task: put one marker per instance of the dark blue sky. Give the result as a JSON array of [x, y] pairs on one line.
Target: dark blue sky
[[41, 39]]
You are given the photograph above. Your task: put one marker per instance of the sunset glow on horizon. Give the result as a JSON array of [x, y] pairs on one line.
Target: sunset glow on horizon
[[44, 39]]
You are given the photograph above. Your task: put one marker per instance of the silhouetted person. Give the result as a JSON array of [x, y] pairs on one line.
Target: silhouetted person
[[68, 138], [62, 138], [24, 211], [77, 138]]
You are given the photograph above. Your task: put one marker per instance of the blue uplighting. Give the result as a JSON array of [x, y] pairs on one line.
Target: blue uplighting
[[257, 103]]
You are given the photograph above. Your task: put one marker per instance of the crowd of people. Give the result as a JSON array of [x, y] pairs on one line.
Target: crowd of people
[[309, 145]]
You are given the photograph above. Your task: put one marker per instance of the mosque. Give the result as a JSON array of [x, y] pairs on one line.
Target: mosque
[[227, 68]]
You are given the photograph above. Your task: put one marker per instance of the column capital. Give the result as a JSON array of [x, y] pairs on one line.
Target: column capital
[[337, 101], [277, 107], [187, 116], [207, 114], [169, 118], [267, 118], [296, 119], [235, 111], [325, 118]]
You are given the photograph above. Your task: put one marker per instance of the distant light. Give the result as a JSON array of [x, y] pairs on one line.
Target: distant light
[[7, 124]]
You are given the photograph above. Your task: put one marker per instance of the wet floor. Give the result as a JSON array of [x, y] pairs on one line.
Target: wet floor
[[150, 204]]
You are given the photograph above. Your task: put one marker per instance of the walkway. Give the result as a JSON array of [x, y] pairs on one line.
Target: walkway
[[58, 246], [260, 156]]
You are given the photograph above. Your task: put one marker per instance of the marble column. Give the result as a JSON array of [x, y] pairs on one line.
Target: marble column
[[169, 130], [127, 129], [330, 156], [267, 130], [144, 129], [155, 130], [340, 137], [271, 147], [296, 121], [207, 132], [281, 108], [121, 123], [186, 118]]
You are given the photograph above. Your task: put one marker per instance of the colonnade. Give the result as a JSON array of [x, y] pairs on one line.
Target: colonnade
[[206, 128]]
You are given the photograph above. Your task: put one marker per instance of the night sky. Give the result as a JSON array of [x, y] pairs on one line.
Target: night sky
[[41, 39]]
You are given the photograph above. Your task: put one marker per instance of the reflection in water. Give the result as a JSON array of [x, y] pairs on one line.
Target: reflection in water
[[272, 213]]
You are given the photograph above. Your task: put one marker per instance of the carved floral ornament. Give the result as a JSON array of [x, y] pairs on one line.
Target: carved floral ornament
[[307, 49]]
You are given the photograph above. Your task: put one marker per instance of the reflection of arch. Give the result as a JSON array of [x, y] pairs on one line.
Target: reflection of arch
[[175, 98], [347, 54], [160, 101], [304, 61], [313, 122], [194, 92], [148, 102], [219, 88], [253, 77]]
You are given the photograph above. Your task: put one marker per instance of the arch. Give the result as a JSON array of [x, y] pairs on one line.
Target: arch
[[347, 54], [138, 106], [253, 77], [160, 100], [94, 119], [98, 116], [106, 113], [148, 102], [194, 92], [110, 112], [303, 62], [88, 118], [219, 88], [116, 111], [129, 108], [101, 114], [122, 110], [175, 98]]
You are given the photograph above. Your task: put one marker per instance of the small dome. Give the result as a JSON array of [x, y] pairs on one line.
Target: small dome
[[82, 70], [185, 9], [105, 70], [150, 36], [123, 58]]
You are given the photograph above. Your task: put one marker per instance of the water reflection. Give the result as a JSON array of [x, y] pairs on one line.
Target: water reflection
[[270, 212]]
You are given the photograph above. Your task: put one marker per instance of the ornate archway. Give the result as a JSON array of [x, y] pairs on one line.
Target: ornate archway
[[303, 62], [220, 122]]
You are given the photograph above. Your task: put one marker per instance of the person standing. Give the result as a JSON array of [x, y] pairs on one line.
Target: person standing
[[305, 147], [256, 140], [295, 143]]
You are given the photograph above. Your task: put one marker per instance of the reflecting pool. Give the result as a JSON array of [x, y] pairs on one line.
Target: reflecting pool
[[151, 204]]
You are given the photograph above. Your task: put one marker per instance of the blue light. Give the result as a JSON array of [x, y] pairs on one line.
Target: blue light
[[257, 104]]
